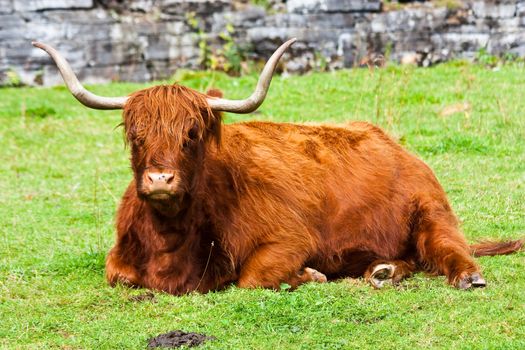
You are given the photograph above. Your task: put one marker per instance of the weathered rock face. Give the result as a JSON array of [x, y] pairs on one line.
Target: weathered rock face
[[332, 6], [41, 5], [140, 40]]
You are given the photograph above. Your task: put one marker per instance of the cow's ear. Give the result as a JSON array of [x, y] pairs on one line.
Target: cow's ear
[[129, 132], [215, 119], [214, 92]]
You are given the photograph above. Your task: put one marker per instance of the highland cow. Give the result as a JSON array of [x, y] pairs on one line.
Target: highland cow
[[258, 204]]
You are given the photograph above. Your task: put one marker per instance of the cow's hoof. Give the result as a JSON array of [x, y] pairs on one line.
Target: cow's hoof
[[315, 276], [381, 274], [473, 280]]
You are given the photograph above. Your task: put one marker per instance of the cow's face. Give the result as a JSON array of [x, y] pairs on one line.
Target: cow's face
[[168, 129], [164, 170]]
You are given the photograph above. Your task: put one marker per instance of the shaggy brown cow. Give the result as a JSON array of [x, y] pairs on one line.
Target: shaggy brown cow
[[259, 204]]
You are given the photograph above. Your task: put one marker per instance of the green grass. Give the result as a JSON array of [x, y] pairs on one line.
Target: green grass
[[63, 168]]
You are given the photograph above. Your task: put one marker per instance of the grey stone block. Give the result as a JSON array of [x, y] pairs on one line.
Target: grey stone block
[[520, 12], [11, 27], [320, 20], [145, 27], [484, 9], [44, 31], [319, 6], [508, 24], [250, 16], [462, 45], [399, 43], [520, 8], [41, 5], [166, 69], [281, 34], [348, 48], [479, 26], [158, 47], [109, 52], [84, 32], [141, 5], [6, 6], [17, 51], [169, 47], [92, 17], [518, 50], [408, 20], [501, 43], [200, 7], [11, 21]]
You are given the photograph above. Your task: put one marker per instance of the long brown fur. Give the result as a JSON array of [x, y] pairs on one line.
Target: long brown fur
[[262, 203], [489, 248]]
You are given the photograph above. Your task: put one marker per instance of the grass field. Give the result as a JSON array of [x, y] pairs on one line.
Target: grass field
[[63, 169]]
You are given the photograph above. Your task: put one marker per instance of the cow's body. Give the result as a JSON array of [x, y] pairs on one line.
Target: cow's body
[[332, 198]]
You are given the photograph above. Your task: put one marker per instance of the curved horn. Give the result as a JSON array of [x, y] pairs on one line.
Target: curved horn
[[256, 99], [85, 97]]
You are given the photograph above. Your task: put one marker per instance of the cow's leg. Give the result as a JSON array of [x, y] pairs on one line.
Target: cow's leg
[[382, 272], [273, 264], [117, 271], [442, 249], [311, 275]]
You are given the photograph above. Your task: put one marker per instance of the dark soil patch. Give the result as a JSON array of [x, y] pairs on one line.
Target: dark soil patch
[[175, 339], [148, 296]]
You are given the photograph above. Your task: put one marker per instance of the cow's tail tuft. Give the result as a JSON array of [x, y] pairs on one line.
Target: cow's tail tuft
[[490, 248]]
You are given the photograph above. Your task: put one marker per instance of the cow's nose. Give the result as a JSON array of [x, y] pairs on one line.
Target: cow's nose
[[160, 178]]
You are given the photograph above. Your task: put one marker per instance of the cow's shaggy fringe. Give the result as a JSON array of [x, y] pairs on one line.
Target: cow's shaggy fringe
[[169, 114]]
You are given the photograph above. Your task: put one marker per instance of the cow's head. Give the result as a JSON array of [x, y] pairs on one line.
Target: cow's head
[[168, 128]]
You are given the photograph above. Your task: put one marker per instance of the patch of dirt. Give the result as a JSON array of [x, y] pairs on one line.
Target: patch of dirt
[[148, 296], [175, 339]]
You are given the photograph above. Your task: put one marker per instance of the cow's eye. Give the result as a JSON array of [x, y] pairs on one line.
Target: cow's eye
[[193, 134]]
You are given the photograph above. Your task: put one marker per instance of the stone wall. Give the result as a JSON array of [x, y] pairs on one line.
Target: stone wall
[[348, 32], [141, 40]]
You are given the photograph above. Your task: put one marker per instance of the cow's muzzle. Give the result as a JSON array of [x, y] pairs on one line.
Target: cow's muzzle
[[159, 185]]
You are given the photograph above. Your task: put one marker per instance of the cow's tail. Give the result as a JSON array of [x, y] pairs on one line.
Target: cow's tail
[[490, 248]]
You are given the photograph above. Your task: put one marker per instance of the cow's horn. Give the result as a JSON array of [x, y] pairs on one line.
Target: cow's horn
[[256, 99], [85, 97]]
